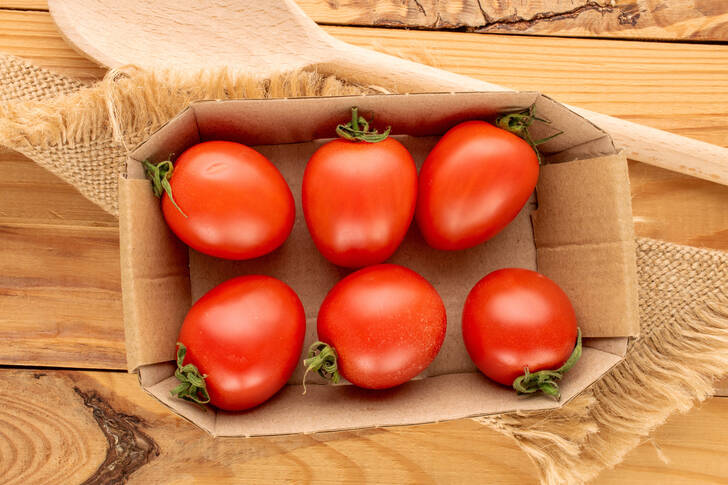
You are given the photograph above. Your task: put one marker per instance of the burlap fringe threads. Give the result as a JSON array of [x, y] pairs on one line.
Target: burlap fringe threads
[[83, 134]]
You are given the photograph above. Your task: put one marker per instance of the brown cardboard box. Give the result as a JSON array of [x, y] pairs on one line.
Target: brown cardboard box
[[579, 233]]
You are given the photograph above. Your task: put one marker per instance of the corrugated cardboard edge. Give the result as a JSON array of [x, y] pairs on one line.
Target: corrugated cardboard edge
[[564, 148], [155, 277], [588, 261], [357, 408]]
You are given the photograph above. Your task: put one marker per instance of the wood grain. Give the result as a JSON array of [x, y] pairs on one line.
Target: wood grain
[[60, 295], [31, 194], [678, 208], [60, 284], [50, 440], [643, 19], [693, 444], [83, 412], [29, 34], [24, 4], [721, 388]]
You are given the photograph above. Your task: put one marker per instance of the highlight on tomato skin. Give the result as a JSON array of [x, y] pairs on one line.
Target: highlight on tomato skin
[[245, 336], [473, 183], [227, 200], [516, 319], [385, 323]]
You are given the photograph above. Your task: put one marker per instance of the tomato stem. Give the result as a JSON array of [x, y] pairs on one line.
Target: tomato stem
[[321, 358], [519, 122], [546, 381], [358, 129], [159, 174], [192, 385], [355, 118]]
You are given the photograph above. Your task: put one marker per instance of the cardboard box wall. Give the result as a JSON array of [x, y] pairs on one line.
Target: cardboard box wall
[[578, 231]]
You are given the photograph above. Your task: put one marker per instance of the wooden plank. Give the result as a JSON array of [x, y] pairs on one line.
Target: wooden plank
[[68, 432], [24, 4], [447, 452], [81, 410], [33, 36], [31, 194], [60, 295], [696, 20], [694, 445], [678, 208], [676, 87], [643, 19]]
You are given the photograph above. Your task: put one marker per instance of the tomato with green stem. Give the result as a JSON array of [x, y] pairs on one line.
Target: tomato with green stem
[[240, 343], [359, 194], [379, 327], [476, 180], [520, 330], [224, 199]]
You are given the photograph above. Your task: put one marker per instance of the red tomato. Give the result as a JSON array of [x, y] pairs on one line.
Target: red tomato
[[472, 184], [386, 323], [246, 335], [516, 318], [238, 205], [359, 199]]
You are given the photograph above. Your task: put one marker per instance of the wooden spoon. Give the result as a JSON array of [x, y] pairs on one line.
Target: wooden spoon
[[276, 35]]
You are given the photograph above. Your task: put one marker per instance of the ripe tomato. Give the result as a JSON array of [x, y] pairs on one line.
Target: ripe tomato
[[472, 184], [246, 335], [386, 324], [516, 319], [237, 204], [359, 199]]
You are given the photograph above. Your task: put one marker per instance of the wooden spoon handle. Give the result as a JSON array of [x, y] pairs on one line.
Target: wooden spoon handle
[[663, 149], [642, 143]]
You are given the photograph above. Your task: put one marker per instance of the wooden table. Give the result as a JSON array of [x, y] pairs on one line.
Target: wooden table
[[70, 414]]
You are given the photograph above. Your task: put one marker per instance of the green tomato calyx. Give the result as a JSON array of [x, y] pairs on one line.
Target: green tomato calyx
[[322, 358], [159, 174], [191, 382], [546, 381], [358, 129], [519, 122]]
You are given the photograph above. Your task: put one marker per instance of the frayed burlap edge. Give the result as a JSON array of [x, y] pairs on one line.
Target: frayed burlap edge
[[82, 133], [672, 366]]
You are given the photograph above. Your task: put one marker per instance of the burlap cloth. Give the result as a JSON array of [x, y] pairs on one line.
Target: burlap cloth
[[81, 133]]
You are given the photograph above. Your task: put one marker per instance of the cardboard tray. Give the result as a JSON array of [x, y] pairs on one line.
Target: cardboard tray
[[577, 231]]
